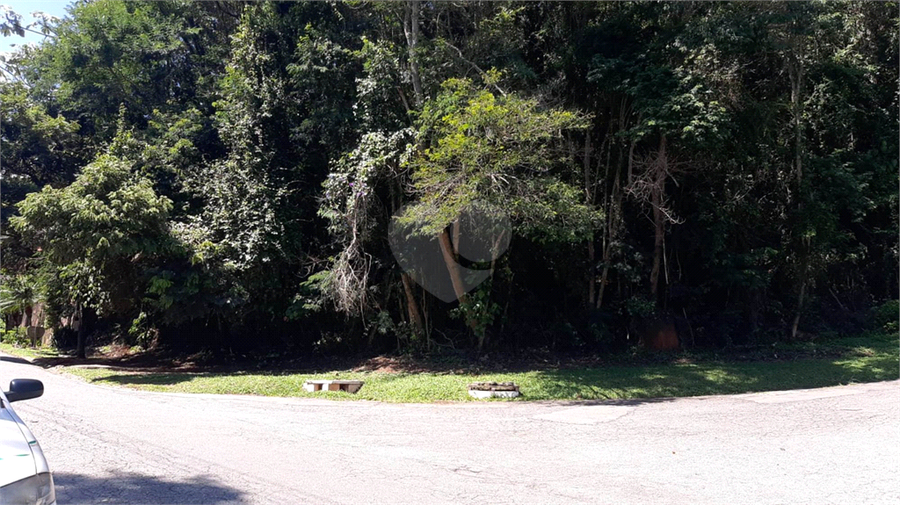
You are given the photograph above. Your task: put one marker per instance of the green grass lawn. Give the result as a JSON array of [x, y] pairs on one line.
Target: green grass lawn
[[864, 359], [29, 352]]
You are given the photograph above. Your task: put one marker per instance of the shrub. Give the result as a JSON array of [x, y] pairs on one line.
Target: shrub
[[887, 315], [16, 336]]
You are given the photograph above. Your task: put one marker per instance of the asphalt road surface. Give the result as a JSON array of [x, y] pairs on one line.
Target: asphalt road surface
[[115, 446]]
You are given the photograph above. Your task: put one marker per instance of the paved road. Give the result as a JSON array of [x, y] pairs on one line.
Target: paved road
[[116, 446]]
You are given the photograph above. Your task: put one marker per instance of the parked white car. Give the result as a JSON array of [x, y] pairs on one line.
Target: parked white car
[[25, 477]]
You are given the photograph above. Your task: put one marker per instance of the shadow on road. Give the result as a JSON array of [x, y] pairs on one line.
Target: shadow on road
[[137, 489], [13, 359]]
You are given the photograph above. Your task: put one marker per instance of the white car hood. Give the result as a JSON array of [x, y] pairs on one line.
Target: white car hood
[[17, 460]]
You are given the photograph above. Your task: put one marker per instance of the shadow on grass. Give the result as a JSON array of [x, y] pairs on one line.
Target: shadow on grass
[[661, 381], [860, 360], [614, 384], [149, 379], [469, 363], [136, 489]]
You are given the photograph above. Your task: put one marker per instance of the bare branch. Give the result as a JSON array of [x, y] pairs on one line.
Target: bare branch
[[472, 64]]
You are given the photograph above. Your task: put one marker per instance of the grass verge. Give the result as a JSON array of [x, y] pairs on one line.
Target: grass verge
[[862, 359], [29, 352]]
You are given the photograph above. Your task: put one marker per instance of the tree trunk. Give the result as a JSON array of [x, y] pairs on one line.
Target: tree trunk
[[456, 279], [800, 300], [411, 30], [614, 203], [412, 307], [589, 192], [659, 223], [452, 266], [592, 297], [631, 156], [612, 223], [657, 244], [79, 346], [795, 70]]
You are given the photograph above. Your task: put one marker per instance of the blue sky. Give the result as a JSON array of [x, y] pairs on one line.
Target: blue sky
[[24, 8]]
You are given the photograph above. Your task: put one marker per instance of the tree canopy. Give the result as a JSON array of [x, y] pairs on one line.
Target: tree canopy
[[225, 174]]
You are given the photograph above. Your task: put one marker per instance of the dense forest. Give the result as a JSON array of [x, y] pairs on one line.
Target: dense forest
[[224, 175]]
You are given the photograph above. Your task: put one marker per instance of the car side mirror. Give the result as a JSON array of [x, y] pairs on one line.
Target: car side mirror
[[24, 389]]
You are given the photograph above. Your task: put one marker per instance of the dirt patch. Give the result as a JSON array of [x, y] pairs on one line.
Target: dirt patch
[[408, 364], [380, 364], [116, 351]]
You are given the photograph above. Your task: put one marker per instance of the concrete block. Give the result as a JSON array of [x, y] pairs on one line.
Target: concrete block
[[474, 393], [350, 386]]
